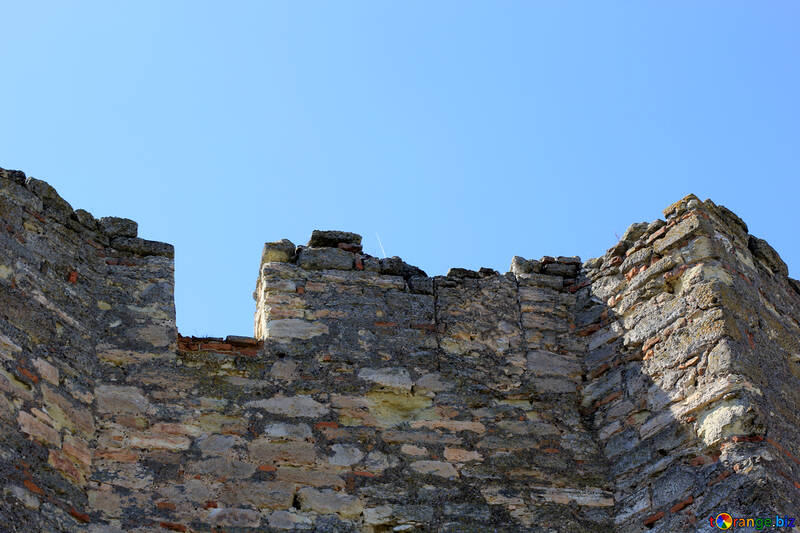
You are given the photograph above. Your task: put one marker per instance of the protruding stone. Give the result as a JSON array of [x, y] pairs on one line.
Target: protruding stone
[[118, 227], [767, 254], [462, 273], [53, 203], [143, 246], [85, 218], [17, 176], [680, 206], [278, 252], [520, 265], [332, 238]]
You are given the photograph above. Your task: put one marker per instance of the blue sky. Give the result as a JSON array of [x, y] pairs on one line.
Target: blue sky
[[463, 133]]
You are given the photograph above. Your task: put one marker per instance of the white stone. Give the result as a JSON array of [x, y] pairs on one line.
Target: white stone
[[295, 406], [345, 455], [393, 378], [295, 328]]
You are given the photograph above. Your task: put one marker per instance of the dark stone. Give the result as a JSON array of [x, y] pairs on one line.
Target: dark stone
[[54, 205], [143, 246], [85, 218], [410, 271], [766, 253], [17, 176], [325, 258], [560, 269], [332, 238], [118, 227], [462, 273], [420, 284], [392, 266]]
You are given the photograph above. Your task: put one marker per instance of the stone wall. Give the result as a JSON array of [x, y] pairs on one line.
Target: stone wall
[[79, 299], [643, 390]]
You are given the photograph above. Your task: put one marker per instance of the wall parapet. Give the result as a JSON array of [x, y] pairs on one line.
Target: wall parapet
[[642, 390]]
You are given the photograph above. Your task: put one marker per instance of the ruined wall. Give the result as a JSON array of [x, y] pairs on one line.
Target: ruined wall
[[77, 297], [688, 365], [643, 390]]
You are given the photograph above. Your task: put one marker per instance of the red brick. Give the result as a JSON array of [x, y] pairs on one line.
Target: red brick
[[680, 505], [221, 346], [608, 399], [349, 247], [31, 486], [652, 519], [720, 477], [28, 374], [79, 516], [599, 371], [166, 505], [73, 277], [747, 438], [320, 425], [267, 468]]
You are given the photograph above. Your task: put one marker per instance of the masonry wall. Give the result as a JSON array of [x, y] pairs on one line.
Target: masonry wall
[[643, 390], [78, 297], [692, 371]]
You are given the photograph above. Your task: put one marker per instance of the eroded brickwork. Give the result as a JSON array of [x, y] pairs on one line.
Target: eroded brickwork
[[643, 390]]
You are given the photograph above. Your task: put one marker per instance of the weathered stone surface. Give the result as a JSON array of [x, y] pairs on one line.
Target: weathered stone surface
[[325, 258], [294, 328], [332, 238], [280, 251], [120, 399], [118, 227], [393, 378], [329, 502], [436, 468], [293, 406]]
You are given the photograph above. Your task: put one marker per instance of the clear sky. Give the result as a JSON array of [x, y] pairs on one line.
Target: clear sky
[[463, 133]]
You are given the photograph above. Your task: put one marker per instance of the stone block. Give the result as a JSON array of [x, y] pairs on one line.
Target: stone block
[[278, 252], [330, 502], [325, 258], [118, 227], [435, 468], [332, 238], [292, 406], [120, 400], [143, 246]]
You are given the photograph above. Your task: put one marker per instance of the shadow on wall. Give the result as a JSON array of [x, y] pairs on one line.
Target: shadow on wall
[[690, 330]]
